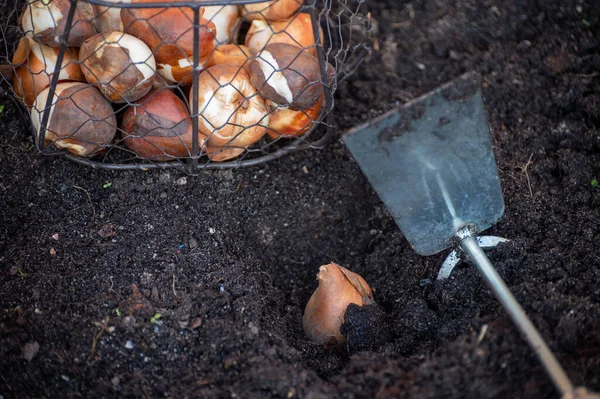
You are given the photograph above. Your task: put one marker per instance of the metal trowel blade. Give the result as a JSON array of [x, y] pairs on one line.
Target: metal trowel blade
[[432, 164]]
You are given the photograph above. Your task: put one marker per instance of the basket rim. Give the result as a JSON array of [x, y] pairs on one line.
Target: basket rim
[[172, 4]]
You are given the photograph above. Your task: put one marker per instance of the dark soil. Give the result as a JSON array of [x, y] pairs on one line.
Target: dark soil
[[229, 259]]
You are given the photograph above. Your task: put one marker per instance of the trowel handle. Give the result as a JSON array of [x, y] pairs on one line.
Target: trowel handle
[[560, 379]]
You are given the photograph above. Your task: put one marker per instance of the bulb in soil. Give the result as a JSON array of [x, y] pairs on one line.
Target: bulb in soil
[[231, 112], [297, 31], [159, 127], [118, 64], [45, 21], [276, 10], [35, 69], [169, 32], [81, 120], [324, 312]]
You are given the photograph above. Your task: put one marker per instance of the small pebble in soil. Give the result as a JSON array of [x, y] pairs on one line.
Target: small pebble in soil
[[164, 177], [253, 328], [196, 323], [182, 181], [425, 282], [30, 350], [129, 345], [227, 174], [128, 321]]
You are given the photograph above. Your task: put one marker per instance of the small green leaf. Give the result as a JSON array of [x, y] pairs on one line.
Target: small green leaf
[[586, 23], [107, 185], [1, 108], [155, 318], [595, 183], [20, 271], [118, 312]]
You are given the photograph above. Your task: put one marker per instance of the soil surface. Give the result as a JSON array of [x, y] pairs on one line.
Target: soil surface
[[195, 285]]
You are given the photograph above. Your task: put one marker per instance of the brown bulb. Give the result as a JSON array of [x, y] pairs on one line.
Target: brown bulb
[[324, 312]]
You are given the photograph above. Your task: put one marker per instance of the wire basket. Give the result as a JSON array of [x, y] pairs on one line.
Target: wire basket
[[145, 84]]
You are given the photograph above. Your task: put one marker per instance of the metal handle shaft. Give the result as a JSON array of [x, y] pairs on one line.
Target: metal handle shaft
[[516, 313]]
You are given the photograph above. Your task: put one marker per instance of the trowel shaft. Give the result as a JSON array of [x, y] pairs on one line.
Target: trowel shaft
[[469, 245]]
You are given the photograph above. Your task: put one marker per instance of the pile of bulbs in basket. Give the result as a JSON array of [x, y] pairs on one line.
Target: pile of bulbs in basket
[[127, 76]]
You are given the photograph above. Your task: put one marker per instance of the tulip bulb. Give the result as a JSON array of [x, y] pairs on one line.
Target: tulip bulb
[[297, 31], [118, 64], [169, 32], [274, 10], [108, 19], [288, 122], [288, 76], [226, 20], [222, 154], [324, 312], [46, 21], [231, 111], [159, 127], [36, 64], [81, 120], [235, 54]]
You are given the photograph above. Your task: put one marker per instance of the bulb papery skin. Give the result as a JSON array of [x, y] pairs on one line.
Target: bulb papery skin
[[324, 312]]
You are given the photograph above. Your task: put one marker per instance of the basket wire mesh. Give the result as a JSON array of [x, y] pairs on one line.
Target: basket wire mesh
[[117, 97]]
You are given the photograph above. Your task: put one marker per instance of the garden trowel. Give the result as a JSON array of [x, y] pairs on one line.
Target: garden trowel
[[432, 164]]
